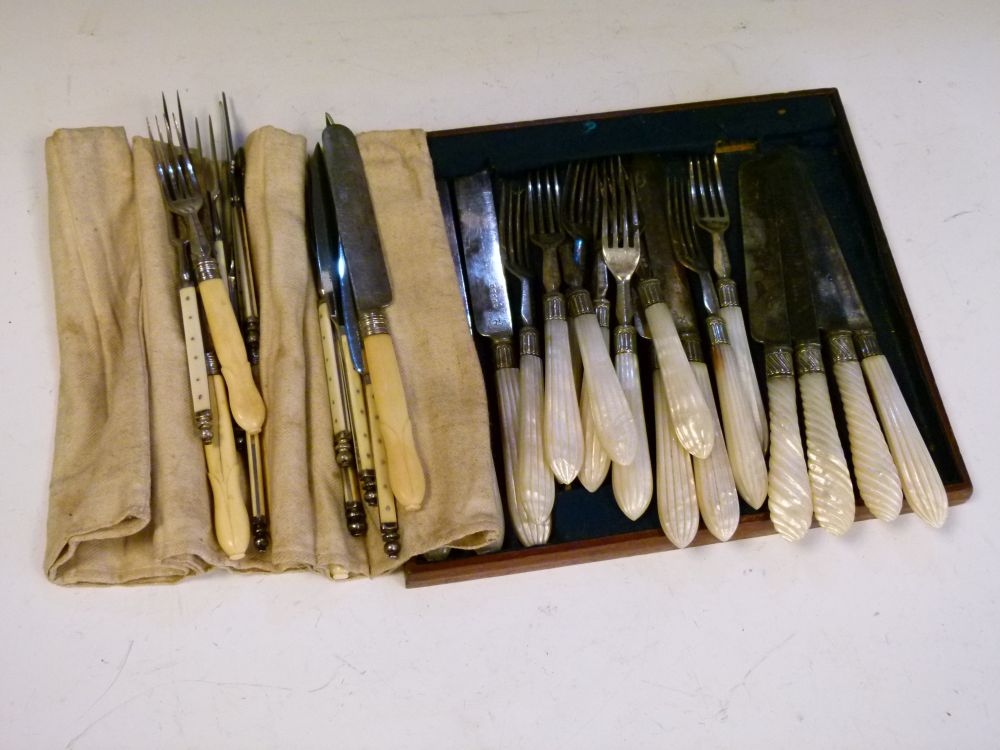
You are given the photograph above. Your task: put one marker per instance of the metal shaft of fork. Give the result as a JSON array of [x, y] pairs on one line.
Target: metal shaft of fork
[[207, 267]]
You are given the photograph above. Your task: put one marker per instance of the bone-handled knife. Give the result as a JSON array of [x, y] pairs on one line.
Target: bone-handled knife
[[491, 312], [789, 494], [369, 277], [851, 337]]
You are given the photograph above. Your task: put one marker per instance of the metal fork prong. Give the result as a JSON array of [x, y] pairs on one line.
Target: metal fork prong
[[687, 227], [164, 185], [555, 197], [696, 187], [167, 162], [711, 187], [518, 241], [723, 208], [182, 130], [532, 200], [188, 166]]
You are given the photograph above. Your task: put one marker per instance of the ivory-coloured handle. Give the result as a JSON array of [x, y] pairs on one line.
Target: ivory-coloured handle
[[789, 498], [832, 490], [676, 498], [359, 412], [386, 502], [632, 484], [255, 469], [406, 474], [689, 411], [528, 533], [332, 374], [563, 437], [596, 461], [194, 344], [874, 470], [713, 476], [736, 328], [535, 491], [245, 400], [232, 524], [613, 418], [922, 485], [749, 467]]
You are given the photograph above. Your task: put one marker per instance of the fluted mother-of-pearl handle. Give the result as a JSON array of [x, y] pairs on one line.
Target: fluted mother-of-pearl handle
[[789, 496], [733, 316], [922, 485], [745, 455], [632, 483], [613, 420], [689, 411], [528, 533], [535, 487], [225, 470], [713, 476], [563, 435], [676, 498], [874, 470], [596, 461]]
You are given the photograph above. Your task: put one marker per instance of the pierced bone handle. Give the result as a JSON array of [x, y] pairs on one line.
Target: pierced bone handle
[[201, 398], [713, 476], [232, 524], [563, 437], [535, 485], [633, 483], [676, 499], [357, 403], [387, 515], [733, 316]]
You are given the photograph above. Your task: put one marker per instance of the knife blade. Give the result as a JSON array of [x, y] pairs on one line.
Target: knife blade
[[842, 315], [448, 214], [369, 279], [789, 498]]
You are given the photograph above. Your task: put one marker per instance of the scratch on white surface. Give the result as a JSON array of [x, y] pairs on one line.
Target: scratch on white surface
[[960, 213], [118, 673], [723, 711]]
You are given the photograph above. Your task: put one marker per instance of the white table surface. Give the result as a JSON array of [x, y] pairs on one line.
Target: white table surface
[[885, 638]]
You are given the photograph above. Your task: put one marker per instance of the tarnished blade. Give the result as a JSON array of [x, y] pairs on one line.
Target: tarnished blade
[[356, 218], [444, 198], [324, 262], [481, 248], [762, 253]]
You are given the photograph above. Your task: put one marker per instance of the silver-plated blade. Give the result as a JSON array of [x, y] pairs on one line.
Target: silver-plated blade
[[649, 174], [349, 312], [838, 304], [356, 218], [481, 248], [320, 234], [769, 322], [447, 212]]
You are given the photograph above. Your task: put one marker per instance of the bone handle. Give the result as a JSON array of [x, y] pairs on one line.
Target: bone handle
[[676, 499], [201, 398], [232, 524], [356, 402], [632, 483], [535, 485], [387, 516], [563, 436], [713, 476]]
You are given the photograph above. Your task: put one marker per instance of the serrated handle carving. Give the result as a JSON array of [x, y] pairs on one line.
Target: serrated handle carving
[[596, 461], [922, 485], [874, 470], [528, 533], [633, 483], [733, 316], [829, 478], [689, 412], [713, 476], [563, 437], [225, 470], [789, 496], [613, 418], [535, 488], [676, 498]]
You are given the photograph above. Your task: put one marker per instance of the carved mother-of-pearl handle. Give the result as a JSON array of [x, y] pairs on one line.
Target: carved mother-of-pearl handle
[[245, 400], [596, 461], [232, 524], [832, 490], [676, 499], [922, 485], [632, 483], [713, 476], [563, 436], [733, 315], [874, 471], [535, 486], [789, 497], [528, 533], [689, 411], [613, 418], [749, 467]]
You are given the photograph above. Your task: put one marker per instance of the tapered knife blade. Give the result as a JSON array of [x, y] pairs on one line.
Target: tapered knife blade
[[320, 234], [448, 214]]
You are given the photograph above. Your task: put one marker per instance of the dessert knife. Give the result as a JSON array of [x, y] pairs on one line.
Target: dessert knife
[[369, 278]]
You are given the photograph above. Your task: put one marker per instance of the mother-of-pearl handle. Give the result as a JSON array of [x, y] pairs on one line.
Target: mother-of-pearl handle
[[733, 315], [632, 483], [874, 471], [749, 467], [922, 485], [713, 476], [789, 497], [676, 499], [596, 461], [563, 436], [535, 487]]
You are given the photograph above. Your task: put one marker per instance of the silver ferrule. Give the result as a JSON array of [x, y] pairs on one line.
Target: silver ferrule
[[554, 305], [578, 302], [343, 446], [717, 333], [624, 339], [602, 309], [842, 347], [211, 363], [808, 358], [727, 293], [692, 346], [373, 323], [206, 268], [203, 421], [867, 343], [530, 342], [503, 354], [778, 362], [650, 292]]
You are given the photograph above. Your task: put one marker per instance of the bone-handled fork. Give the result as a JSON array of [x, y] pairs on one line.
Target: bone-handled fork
[[708, 204], [562, 430]]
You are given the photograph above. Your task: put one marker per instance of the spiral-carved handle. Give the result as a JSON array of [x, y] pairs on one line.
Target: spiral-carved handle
[[596, 461], [733, 316], [922, 483], [676, 498], [563, 438], [633, 483], [535, 484], [713, 476]]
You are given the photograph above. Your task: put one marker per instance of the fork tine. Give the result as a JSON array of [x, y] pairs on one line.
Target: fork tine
[[532, 200], [686, 219], [166, 161], [554, 199], [188, 164], [164, 186], [711, 186], [723, 208]]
